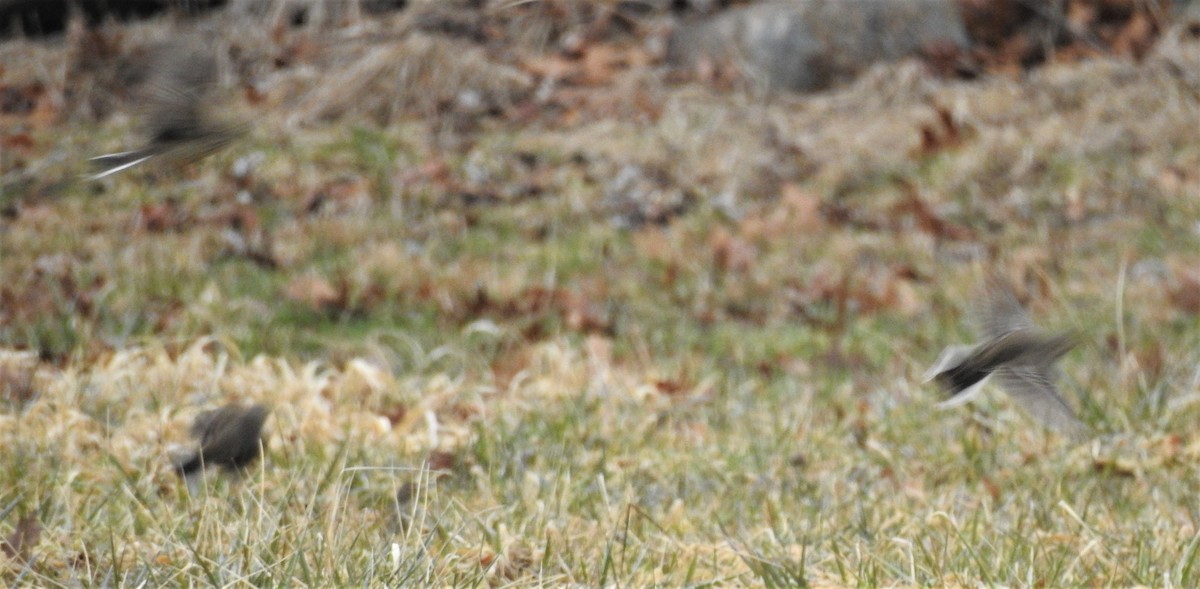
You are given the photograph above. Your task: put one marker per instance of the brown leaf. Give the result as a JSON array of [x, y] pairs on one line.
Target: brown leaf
[[315, 292], [731, 253], [1137, 36], [18, 142], [443, 462], [396, 414], [926, 218], [161, 217], [943, 135], [1185, 293], [16, 381], [20, 543], [671, 388]]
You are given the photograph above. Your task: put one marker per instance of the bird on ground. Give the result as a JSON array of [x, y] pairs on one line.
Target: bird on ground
[[177, 113], [1018, 354], [230, 437]]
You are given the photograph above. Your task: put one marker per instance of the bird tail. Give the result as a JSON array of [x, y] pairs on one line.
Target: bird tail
[[109, 164], [186, 467]]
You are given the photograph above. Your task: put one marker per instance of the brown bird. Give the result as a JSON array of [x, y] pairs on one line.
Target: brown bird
[[230, 437], [177, 113], [1019, 354]]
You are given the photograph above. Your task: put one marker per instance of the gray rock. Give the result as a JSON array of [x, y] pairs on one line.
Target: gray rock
[[812, 44]]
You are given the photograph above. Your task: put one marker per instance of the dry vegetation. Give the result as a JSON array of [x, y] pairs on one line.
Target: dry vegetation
[[541, 313]]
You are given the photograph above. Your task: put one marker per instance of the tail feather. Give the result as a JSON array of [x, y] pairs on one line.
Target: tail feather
[[189, 466], [115, 162]]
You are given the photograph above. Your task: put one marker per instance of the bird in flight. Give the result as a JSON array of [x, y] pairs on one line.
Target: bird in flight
[[176, 113], [1018, 354]]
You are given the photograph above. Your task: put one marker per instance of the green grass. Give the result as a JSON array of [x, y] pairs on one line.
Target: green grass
[[729, 396]]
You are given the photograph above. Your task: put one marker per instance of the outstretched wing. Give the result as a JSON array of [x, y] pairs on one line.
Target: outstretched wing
[[999, 312], [1032, 389]]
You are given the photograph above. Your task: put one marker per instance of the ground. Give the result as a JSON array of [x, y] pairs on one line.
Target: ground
[[565, 317]]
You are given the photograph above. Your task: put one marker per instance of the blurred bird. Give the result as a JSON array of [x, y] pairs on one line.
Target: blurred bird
[[230, 437], [1021, 357], [176, 111]]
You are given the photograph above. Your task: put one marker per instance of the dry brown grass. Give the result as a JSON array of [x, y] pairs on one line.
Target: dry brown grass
[[675, 347]]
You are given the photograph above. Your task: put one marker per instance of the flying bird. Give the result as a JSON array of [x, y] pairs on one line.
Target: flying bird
[[230, 437], [1018, 354], [177, 113]]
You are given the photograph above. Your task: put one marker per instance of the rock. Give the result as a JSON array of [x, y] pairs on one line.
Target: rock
[[816, 43]]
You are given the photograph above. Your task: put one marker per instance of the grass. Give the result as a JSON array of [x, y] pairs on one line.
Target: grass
[[525, 372]]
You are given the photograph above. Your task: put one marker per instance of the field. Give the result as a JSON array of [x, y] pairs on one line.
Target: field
[[624, 329]]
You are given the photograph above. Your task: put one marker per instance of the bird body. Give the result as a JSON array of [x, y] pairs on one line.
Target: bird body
[[1019, 355], [230, 437], [176, 117]]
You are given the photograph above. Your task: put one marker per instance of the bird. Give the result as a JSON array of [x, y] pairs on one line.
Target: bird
[[230, 437], [1021, 357], [177, 113]]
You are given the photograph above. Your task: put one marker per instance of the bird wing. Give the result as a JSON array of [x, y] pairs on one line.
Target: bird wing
[[999, 312], [1031, 388]]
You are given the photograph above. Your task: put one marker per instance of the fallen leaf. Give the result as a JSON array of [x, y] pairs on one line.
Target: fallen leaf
[[160, 217], [396, 414], [442, 462], [24, 537], [731, 253], [315, 292], [18, 142], [943, 135], [1185, 293], [16, 381]]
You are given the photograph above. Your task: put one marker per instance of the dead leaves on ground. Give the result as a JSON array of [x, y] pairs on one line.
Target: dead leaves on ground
[[581, 309], [945, 134], [1012, 35], [17, 372], [592, 81], [1135, 458]]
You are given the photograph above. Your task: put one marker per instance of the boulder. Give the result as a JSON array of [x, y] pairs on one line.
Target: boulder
[[813, 44]]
